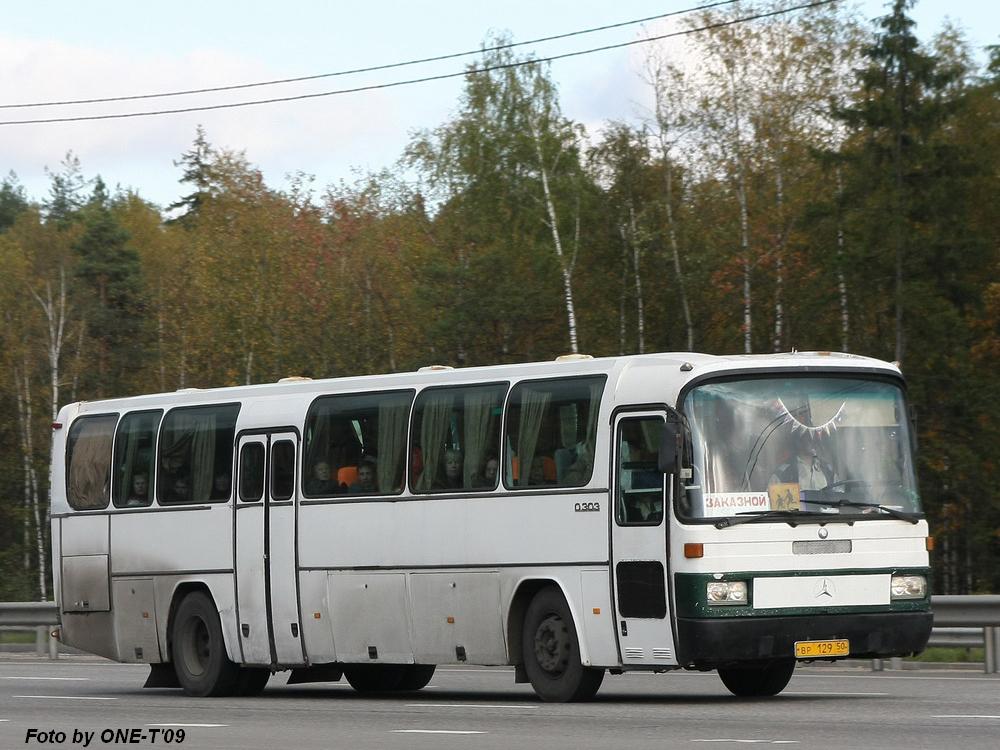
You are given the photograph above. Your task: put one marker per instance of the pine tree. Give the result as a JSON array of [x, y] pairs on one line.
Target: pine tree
[[109, 295], [65, 192], [12, 200], [197, 164]]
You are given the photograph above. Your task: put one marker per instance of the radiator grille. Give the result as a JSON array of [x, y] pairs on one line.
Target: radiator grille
[[823, 547]]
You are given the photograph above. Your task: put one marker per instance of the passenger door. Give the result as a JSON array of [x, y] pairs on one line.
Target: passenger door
[[639, 542], [267, 590]]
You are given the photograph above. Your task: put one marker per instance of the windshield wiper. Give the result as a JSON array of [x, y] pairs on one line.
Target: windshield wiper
[[901, 515], [756, 516]]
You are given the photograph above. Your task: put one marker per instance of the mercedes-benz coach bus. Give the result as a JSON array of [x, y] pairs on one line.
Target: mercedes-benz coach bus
[[568, 518]]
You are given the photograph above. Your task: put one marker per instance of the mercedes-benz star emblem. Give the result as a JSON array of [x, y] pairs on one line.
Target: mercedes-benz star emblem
[[826, 588], [823, 533]]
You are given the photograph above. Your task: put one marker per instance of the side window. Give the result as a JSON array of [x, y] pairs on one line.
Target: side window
[[456, 438], [135, 459], [252, 472], [640, 484], [356, 443], [551, 432], [283, 470], [88, 462], [196, 455]]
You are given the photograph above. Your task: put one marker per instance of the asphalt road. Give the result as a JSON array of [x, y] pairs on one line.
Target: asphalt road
[[468, 708]]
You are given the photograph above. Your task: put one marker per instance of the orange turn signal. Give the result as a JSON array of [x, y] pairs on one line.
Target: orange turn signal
[[929, 542], [694, 549], [597, 610]]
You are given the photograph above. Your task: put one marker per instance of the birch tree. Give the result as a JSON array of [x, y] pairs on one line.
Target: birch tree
[[508, 175], [672, 117]]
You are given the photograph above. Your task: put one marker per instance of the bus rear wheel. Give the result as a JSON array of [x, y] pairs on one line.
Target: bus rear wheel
[[758, 680], [550, 650], [375, 678], [416, 676], [198, 649]]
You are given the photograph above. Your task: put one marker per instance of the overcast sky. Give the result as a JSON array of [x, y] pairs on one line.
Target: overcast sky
[[59, 49]]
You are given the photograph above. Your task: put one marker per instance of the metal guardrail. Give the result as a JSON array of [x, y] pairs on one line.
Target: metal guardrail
[[956, 638], [29, 614], [38, 615], [953, 611], [956, 621]]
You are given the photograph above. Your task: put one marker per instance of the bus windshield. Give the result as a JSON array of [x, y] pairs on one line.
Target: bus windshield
[[780, 445]]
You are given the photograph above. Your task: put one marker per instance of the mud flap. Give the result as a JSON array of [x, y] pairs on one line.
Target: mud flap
[[162, 676]]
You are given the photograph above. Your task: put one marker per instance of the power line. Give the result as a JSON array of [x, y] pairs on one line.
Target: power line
[[425, 79], [354, 71]]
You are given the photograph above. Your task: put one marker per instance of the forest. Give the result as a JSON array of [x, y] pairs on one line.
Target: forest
[[806, 180]]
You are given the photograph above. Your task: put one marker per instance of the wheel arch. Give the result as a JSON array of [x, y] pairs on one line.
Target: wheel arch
[[524, 591], [181, 590]]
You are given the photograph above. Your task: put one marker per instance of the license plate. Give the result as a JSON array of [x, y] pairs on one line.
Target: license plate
[[820, 649]]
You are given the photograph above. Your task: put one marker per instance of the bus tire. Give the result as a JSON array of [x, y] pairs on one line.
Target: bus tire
[[416, 676], [252, 681], [758, 680], [199, 650], [550, 651], [374, 678]]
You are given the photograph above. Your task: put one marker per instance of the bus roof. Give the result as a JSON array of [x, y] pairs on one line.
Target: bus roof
[[684, 366]]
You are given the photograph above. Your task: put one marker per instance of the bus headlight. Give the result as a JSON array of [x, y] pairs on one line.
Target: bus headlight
[[908, 587], [726, 592]]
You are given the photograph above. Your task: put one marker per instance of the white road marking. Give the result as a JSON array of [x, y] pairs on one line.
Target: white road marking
[[753, 742], [187, 725], [499, 670], [68, 679], [66, 697], [798, 692], [845, 673], [435, 731], [966, 716], [4, 720], [464, 705]]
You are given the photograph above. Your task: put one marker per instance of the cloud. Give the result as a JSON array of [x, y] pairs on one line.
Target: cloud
[[138, 152]]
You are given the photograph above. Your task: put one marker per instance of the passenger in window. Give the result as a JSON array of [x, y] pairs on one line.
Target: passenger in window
[[490, 470], [170, 470], [582, 467], [647, 507], [322, 482], [366, 477], [180, 491], [140, 491], [452, 471], [220, 486], [537, 474]]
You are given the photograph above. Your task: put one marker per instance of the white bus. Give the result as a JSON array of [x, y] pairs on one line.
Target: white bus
[[568, 518]]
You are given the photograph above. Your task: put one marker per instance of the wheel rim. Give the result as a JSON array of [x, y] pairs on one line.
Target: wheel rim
[[196, 646], [552, 645]]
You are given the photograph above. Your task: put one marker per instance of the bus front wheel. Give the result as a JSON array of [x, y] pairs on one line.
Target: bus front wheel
[[758, 680], [550, 650], [198, 649]]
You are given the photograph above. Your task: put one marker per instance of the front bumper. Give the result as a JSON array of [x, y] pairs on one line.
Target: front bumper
[[714, 642]]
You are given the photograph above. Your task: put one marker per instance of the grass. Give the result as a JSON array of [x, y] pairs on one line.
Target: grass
[[17, 636], [939, 654]]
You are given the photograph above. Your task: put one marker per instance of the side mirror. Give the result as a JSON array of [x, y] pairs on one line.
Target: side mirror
[[670, 440]]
